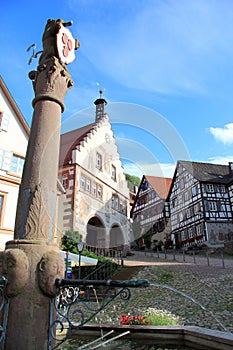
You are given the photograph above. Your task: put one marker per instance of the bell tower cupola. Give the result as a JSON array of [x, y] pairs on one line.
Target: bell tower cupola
[[100, 104]]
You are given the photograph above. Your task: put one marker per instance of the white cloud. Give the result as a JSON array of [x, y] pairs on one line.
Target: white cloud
[[224, 160], [152, 169], [170, 47], [224, 134]]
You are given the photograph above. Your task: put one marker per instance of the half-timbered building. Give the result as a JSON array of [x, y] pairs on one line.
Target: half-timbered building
[[96, 202], [200, 200], [150, 212]]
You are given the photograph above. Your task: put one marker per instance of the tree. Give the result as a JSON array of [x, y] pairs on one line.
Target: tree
[[132, 181], [69, 241]]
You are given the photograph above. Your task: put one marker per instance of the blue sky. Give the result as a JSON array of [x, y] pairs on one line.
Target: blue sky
[[165, 67]]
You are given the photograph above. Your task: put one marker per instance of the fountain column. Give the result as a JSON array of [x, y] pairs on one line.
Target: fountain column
[[32, 261]]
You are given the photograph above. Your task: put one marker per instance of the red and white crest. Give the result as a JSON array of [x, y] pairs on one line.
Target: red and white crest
[[65, 45]]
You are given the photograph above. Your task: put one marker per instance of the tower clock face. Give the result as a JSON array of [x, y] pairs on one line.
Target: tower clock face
[[65, 45]]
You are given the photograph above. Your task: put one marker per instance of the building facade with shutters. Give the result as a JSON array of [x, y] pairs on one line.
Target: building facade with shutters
[[201, 198], [14, 135], [96, 202]]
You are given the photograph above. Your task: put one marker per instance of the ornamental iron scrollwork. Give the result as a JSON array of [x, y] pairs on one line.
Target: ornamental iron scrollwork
[[79, 301], [4, 308]]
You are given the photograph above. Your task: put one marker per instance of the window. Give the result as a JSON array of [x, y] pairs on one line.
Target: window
[[99, 192], [186, 196], [98, 161], [17, 164], [4, 121], [199, 229], [222, 189], [113, 201], [83, 180], [183, 235], [117, 203], [121, 206], [94, 189], [209, 188], [113, 175], [65, 183], [88, 185], [1, 206], [190, 232], [5, 159], [212, 206]]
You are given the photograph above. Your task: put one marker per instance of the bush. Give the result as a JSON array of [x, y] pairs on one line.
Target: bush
[[156, 317]]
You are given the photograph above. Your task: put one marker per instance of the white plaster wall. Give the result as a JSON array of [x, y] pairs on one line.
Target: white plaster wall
[[10, 205], [102, 141], [3, 239], [15, 139]]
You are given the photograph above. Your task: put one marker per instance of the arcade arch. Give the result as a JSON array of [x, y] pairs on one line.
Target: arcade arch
[[96, 233], [116, 236]]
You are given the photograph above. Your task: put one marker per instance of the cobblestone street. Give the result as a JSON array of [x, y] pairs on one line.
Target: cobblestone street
[[199, 294]]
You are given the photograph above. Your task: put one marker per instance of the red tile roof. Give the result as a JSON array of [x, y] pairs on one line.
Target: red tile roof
[[70, 140], [161, 185]]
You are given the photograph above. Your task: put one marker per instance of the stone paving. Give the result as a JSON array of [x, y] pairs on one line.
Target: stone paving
[[199, 294]]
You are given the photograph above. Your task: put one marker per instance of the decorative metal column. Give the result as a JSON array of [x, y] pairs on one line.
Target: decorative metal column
[[31, 262]]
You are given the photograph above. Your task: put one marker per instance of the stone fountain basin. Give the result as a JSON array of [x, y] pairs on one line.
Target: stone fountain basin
[[184, 336]]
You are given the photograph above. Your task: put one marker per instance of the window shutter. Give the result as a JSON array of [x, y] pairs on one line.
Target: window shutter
[[5, 159], [5, 121]]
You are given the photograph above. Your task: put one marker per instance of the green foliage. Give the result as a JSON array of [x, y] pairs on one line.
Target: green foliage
[[132, 181], [74, 235], [69, 244], [156, 317]]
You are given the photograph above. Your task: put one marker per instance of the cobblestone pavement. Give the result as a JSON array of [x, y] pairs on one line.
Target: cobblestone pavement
[[200, 294]]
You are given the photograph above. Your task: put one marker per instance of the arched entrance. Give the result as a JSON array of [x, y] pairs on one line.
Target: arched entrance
[[96, 233], [116, 237]]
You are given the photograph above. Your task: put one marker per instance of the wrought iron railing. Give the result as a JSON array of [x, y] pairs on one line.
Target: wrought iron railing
[[79, 301], [103, 272]]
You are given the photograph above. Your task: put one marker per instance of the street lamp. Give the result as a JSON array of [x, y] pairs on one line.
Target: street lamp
[[80, 249]]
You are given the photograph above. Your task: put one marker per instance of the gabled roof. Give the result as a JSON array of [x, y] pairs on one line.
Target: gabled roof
[[207, 172], [70, 140], [161, 185], [14, 106]]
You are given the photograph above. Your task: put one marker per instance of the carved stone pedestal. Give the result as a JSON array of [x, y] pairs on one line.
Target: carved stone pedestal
[[32, 268]]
